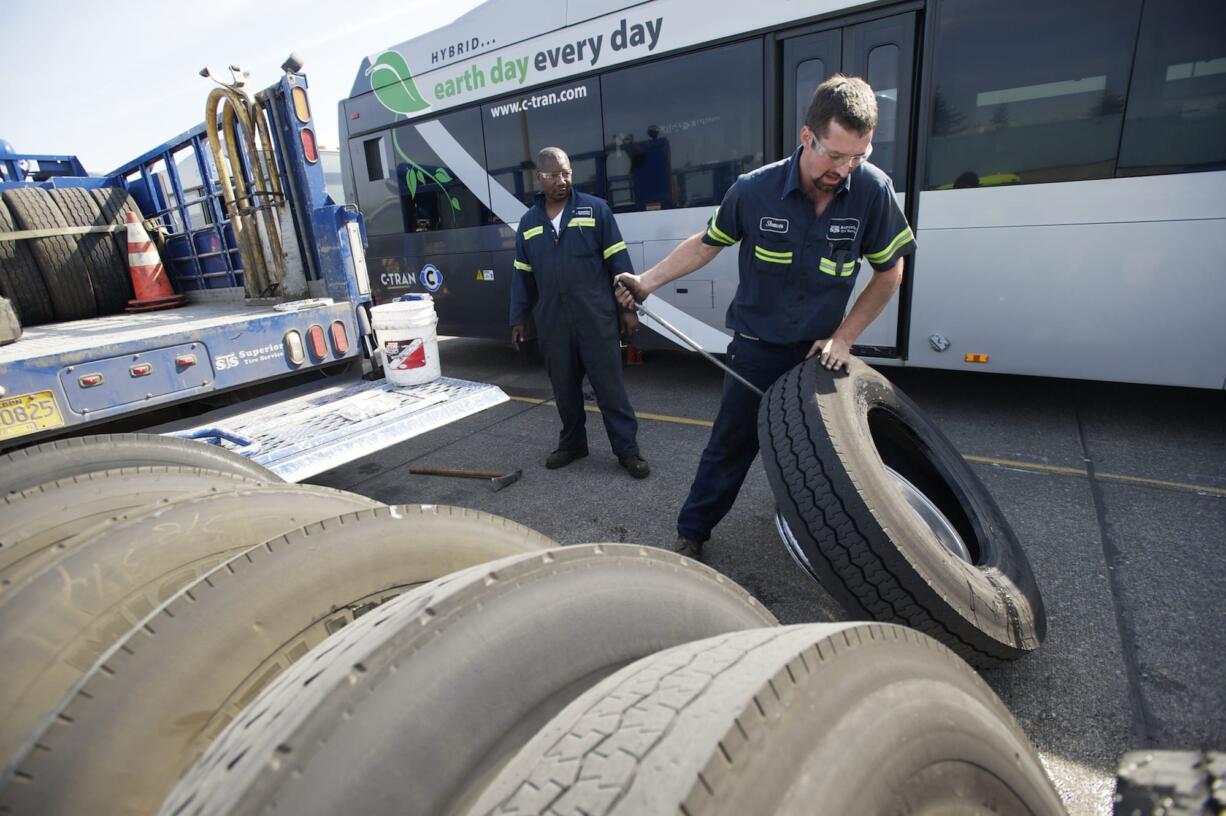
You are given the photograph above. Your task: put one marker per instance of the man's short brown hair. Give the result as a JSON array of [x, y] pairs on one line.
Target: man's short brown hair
[[847, 99]]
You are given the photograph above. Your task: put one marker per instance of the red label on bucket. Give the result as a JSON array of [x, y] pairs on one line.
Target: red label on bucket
[[405, 355]]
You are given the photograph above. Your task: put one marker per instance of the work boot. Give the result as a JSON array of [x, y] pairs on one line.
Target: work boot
[[687, 547], [635, 465], [561, 458]]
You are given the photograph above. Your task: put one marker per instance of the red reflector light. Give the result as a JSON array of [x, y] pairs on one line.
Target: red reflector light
[[308, 145], [340, 339], [89, 380], [316, 341], [185, 360], [353, 117], [140, 370]]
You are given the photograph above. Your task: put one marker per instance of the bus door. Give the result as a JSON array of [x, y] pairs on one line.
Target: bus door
[[881, 51]]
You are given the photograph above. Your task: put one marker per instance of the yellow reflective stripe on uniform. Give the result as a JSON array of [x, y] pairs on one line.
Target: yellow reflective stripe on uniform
[[848, 268], [718, 234], [521, 265], [828, 266], [772, 253], [884, 255], [581, 222], [533, 232], [620, 246], [778, 258]]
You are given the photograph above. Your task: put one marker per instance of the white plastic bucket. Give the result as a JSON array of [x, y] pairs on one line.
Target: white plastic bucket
[[404, 330]]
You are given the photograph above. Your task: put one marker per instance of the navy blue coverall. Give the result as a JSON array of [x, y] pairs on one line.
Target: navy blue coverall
[[566, 279], [796, 272]]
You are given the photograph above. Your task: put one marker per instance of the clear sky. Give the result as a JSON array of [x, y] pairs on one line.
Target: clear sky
[[110, 81]]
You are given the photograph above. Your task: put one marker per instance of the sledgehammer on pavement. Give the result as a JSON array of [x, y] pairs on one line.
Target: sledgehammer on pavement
[[497, 480]]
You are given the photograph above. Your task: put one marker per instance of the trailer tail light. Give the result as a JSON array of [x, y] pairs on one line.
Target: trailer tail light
[[340, 339], [316, 341], [301, 108], [293, 347], [89, 380], [976, 358], [185, 361], [309, 149], [140, 370]]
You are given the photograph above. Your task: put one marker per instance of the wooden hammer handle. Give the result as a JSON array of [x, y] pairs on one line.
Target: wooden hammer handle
[[463, 474]]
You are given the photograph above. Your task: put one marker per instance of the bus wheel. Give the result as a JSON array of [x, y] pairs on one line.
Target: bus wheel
[[816, 718], [883, 511], [437, 691]]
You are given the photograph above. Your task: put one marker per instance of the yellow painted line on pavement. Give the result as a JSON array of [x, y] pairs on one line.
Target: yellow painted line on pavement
[[985, 460]]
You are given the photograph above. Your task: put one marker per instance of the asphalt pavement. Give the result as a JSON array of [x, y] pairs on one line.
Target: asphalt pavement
[[1117, 493]]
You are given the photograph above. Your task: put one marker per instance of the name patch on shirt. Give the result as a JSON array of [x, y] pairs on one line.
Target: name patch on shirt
[[583, 212], [843, 229], [769, 224]]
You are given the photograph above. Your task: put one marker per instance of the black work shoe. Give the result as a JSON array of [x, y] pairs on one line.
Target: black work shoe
[[561, 458], [635, 465], [687, 547]]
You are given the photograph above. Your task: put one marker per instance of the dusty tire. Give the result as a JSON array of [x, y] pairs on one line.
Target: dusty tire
[[141, 716], [20, 280], [56, 623], [115, 203], [824, 438], [29, 467], [108, 270], [1173, 783], [58, 258], [821, 718], [452, 678], [34, 522]]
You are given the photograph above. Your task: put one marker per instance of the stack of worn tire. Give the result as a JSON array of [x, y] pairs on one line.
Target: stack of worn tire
[[64, 277], [181, 630]]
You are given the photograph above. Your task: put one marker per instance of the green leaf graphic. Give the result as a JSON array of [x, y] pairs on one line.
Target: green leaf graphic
[[393, 84], [421, 177], [410, 178], [442, 176], [455, 202]]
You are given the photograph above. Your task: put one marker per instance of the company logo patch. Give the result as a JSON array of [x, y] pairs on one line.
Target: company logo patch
[[843, 229], [583, 212], [769, 224], [431, 279]]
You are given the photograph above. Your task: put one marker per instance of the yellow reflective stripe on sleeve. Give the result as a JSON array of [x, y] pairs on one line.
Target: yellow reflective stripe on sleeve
[[581, 222], [901, 239], [718, 234], [532, 232], [521, 265], [772, 253], [620, 246], [772, 257]]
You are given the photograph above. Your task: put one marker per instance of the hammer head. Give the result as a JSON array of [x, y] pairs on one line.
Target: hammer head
[[499, 482]]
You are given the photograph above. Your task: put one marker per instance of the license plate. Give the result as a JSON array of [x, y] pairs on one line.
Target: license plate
[[27, 413]]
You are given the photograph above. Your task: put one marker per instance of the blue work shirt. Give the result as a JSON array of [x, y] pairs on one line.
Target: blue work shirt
[[797, 269], [566, 277]]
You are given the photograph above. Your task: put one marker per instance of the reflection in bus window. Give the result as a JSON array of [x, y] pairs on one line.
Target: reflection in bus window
[[684, 143], [1176, 117], [565, 116], [809, 74], [431, 198], [1029, 93], [883, 77]]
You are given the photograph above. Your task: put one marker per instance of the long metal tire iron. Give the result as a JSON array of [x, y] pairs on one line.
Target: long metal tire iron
[[692, 344]]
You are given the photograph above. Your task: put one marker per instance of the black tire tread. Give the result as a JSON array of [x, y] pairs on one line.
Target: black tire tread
[[20, 280], [868, 585], [59, 257], [108, 271], [115, 203]]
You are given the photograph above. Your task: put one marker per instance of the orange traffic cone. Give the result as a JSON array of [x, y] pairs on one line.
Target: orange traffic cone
[[149, 279]]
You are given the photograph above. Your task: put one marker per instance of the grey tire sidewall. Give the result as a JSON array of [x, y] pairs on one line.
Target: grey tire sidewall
[[61, 458]]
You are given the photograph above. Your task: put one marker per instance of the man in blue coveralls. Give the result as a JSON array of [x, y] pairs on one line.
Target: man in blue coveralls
[[803, 224], [567, 251]]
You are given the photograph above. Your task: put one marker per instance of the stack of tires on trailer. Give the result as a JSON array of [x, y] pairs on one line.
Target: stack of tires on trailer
[[63, 277], [182, 630]]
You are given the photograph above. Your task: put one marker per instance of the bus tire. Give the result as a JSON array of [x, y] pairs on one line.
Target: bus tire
[[824, 437], [58, 257], [1173, 783], [108, 271], [35, 522], [20, 280], [455, 677], [143, 713], [103, 581], [115, 203], [816, 718], [78, 455]]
